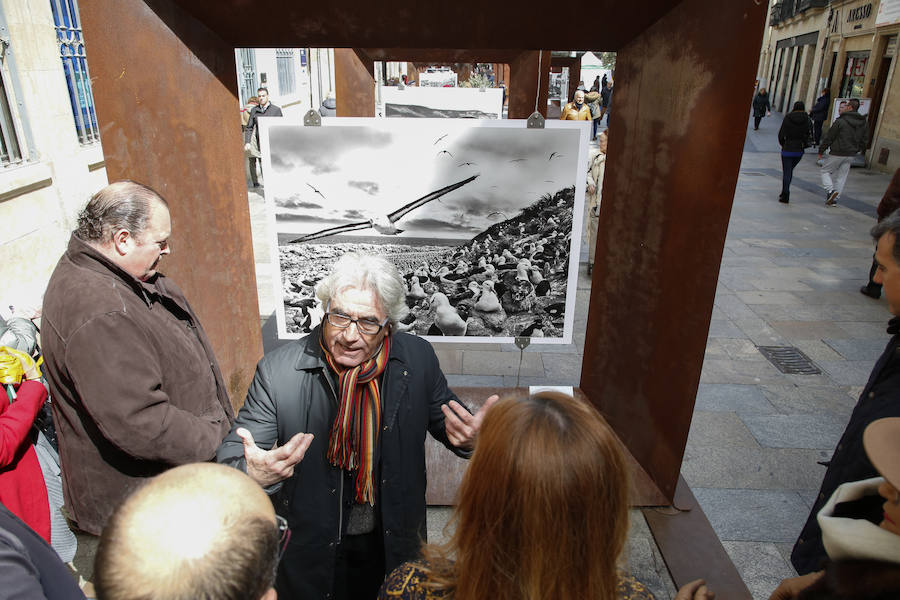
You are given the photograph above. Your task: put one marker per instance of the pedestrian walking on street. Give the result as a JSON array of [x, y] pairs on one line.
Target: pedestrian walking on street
[[251, 131], [576, 110], [889, 203], [761, 107], [846, 136], [819, 113], [794, 136]]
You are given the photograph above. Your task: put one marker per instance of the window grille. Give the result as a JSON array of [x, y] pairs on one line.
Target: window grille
[[15, 137], [287, 81], [71, 51]]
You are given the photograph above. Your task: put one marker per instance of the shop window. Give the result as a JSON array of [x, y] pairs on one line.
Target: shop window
[[287, 78], [854, 74], [71, 52]]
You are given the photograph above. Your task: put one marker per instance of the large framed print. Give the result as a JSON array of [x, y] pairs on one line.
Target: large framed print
[[442, 103], [481, 217]]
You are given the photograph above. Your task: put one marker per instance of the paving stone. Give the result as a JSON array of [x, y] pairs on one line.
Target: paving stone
[[474, 381], [821, 400], [741, 349], [761, 565], [641, 558], [478, 362], [795, 431], [720, 429], [437, 519], [866, 329], [846, 372], [745, 399], [739, 371], [845, 298], [562, 367], [753, 515], [723, 328], [858, 349], [759, 332], [806, 330], [779, 285], [816, 349], [752, 468], [734, 307]]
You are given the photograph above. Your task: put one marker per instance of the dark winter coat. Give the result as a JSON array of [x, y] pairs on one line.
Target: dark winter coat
[[795, 133], [880, 398], [293, 391], [819, 111], [252, 131], [761, 105], [891, 199], [846, 136], [135, 385]]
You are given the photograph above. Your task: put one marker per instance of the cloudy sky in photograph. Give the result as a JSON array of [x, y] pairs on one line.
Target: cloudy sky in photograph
[[321, 177]]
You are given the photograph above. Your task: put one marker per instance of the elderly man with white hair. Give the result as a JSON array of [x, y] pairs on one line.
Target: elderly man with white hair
[[352, 401]]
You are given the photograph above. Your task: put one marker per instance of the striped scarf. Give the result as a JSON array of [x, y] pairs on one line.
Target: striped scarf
[[351, 443]]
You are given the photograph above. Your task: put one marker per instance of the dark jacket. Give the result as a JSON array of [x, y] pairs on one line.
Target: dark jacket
[[29, 567], [795, 133], [891, 199], [846, 136], [761, 105], [135, 385], [293, 391], [819, 111], [255, 113], [880, 398]]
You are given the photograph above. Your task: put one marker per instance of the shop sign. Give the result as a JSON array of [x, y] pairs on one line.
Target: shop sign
[[860, 13], [856, 67], [888, 12]]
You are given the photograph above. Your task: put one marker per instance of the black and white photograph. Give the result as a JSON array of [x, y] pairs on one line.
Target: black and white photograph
[[482, 218], [442, 103]]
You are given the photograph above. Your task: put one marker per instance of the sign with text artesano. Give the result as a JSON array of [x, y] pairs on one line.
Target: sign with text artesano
[[888, 13]]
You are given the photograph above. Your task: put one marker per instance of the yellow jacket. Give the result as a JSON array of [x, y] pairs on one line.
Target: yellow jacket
[[570, 113]]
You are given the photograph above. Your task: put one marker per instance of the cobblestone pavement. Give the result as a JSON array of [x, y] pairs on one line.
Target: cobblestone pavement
[[790, 275]]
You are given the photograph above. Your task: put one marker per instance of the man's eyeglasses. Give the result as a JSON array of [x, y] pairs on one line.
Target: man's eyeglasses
[[364, 326], [284, 534]]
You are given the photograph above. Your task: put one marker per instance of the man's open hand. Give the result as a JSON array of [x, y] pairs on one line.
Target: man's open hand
[[462, 426], [268, 467]]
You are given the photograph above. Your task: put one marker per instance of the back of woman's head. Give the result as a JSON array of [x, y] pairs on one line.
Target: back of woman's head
[[543, 507], [798, 105]]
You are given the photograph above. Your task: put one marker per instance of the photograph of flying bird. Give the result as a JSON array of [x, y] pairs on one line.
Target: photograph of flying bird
[[439, 139], [466, 164], [385, 224], [317, 191], [554, 155], [518, 159], [445, 152]]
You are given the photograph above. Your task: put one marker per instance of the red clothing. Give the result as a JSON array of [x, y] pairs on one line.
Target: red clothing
[[22, 487]]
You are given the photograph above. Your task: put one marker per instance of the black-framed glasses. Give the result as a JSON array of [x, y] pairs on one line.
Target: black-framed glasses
[[284, 534], [365, 326]]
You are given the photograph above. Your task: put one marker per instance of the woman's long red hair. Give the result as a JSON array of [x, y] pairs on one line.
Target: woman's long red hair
[[542, 510]]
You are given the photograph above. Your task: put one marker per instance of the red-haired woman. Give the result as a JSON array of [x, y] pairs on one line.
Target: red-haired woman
[[542, 512]]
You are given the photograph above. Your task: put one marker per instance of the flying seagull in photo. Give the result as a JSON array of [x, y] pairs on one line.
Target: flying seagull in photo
[[445, 152], [317, 191], [466, 164], [554, 155], [439, 139], [385, 224], [518, 159]]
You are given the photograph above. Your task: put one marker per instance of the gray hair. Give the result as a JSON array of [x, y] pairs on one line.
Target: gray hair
[[120, 205], [890, 224], [366, 272]]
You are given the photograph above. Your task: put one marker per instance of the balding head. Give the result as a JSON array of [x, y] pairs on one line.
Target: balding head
[[197, 531]]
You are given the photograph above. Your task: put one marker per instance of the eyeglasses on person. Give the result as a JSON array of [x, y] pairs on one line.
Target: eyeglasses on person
[[364, 325]]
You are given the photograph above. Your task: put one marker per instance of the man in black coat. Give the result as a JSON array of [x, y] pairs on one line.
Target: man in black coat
[[818, 113], [356, 399], [880, 398], [251, 133]]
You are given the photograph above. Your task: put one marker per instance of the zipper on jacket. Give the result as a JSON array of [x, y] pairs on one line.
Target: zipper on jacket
[[340, 530]]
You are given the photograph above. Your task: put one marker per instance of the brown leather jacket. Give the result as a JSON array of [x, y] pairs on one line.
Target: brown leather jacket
[[570, 113], [135, 385], [891, 199]]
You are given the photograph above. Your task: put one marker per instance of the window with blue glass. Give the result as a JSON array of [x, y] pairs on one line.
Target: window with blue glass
[[71, 51]]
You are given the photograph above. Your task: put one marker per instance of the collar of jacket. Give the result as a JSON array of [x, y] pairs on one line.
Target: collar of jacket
[[312, 356], [85, 255], [847, 538], [894, 326]]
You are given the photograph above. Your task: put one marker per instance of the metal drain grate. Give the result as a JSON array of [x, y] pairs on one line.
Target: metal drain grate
[[789, 360]]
